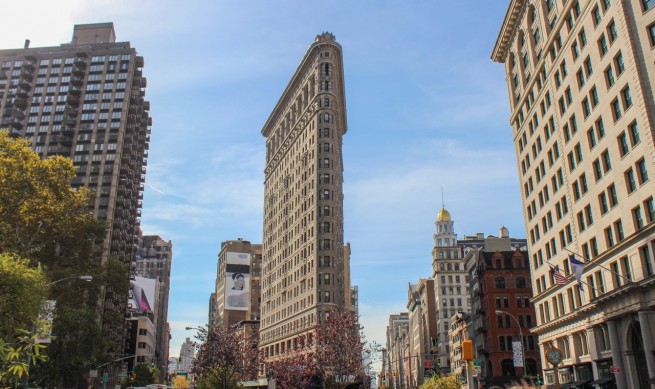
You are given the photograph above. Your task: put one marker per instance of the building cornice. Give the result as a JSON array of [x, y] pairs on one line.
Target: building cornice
[[508, 29]]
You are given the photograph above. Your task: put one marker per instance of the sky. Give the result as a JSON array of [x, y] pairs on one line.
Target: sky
[[427, 111]]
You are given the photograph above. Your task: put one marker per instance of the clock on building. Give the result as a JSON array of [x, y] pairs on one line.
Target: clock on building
[[554, 356]]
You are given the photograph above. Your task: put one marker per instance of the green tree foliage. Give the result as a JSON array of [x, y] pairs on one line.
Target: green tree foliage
[[41, 217], [436, 382], [145, 375], [77, 343], [46, 221], [22, 289]]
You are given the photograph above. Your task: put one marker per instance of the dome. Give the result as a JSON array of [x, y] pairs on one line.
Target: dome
[[443, 216]]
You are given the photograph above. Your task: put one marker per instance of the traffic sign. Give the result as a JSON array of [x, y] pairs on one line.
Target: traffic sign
[[428, 363], [615, 369], [477, 362], [105, 377], [93, 373]]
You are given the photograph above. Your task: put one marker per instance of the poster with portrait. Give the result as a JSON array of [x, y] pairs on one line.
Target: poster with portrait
[[237, 281], [142, 294]]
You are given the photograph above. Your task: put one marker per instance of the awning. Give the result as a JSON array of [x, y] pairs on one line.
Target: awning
[[576, 384], [602, 381]]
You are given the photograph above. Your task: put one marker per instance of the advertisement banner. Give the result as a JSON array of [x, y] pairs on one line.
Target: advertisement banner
[[517, 347], [237, 281], [142, 294]]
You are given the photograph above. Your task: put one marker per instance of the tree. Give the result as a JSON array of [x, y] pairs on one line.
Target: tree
[[227, 356], [22, 289], [39, 210], [341, 351], [297, 368], [436, 382], [44, 220], [78, 343], [145, 375], [181, 382]]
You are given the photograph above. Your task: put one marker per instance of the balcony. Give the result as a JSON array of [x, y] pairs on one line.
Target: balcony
[[77, 80], [24, 84], [70, 110], [138, 61], [73, 100], [75, 90], [80, 60], [28, 65], [20, 103], [16, 123], [69, 120]]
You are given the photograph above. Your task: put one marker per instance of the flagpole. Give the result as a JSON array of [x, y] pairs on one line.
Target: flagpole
[[579, 281], [599, 265]]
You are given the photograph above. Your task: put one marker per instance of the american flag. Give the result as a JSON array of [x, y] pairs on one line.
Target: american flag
[[560, 279]]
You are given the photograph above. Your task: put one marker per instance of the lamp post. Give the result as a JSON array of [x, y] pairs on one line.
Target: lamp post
[[499, 312], [86, 278]]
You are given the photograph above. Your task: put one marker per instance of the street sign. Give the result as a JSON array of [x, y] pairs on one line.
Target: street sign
[[428, 363], [477, 362], [93, 373], [122, 376], [117, 387], [105, 377], [615, 369]]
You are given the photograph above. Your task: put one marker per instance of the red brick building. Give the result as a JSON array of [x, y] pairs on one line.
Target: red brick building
[[506, 315]]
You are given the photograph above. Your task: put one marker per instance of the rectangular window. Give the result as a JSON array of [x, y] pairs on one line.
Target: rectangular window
[[649, 205], [602, 45], [631, 184], [647, 260], [633, 130], [611, 31], [602, 202], [622, 139], [642, 171], [616, 109], [637, 218], [613, 198], [609, 77]]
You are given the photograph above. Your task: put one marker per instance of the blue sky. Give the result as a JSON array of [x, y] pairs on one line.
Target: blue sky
[[426, 109]]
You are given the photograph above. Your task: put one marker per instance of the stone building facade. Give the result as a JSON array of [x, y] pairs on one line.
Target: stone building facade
[[303, 246], [580, 77]]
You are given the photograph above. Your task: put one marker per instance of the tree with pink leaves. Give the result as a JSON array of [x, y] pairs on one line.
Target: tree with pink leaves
[[227, 356], [341, 350]]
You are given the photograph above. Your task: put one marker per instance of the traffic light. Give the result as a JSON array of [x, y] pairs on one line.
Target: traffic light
[[439, 362], [467, 350], [540, 380]]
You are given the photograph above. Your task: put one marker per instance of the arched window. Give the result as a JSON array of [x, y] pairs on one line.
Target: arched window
[[507, 367], [520, 282], [500, 283], [531, 366]]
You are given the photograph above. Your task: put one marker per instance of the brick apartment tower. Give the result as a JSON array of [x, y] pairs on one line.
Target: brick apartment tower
[[303, 265], [85, 100], [580, 76], [231, 306]]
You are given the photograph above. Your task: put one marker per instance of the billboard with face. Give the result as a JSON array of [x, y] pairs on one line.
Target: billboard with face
[[237, 281], [142, 294]]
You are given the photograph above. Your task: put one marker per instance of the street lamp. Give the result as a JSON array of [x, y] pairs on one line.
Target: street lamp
[[499, 312], [86, 278]]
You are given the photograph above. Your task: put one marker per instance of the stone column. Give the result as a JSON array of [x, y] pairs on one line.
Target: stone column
[[617, 358], [593, 350], [645, 321]]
